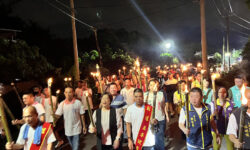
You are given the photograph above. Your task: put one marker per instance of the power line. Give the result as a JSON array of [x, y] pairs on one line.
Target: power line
[[62, 11], [240, 25], [230, 6]]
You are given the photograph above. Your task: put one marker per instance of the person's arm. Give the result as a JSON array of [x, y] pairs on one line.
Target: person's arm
[[237, 143], [83, 124], [49, 146], [16, 122], [214, 127], [182, 120], [9, 145], [232, 129], [129, 133]]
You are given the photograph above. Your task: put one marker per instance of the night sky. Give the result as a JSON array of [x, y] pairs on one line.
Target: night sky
[[178, 20]]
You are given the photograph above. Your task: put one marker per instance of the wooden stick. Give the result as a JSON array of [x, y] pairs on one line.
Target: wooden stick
[[4, 121]]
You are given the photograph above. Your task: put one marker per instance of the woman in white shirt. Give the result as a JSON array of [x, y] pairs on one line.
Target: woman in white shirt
[[108, 125]]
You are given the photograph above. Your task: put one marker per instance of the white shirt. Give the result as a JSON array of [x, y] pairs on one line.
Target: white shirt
[[83, 99], [232, 127], [159, 113], [71, 113], [182, 118], [134, 115], [128, 95], [106, 138], [47, 107], [27, 143], [39, 98], [39, 108]]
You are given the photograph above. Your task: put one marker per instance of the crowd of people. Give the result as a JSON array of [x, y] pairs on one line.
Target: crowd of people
[[136, 111]]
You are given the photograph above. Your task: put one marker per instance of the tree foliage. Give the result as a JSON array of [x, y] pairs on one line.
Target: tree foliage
[[19, 60]]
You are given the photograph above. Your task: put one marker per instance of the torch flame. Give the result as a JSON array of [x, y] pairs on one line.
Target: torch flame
[[97, 74], [243, 97], [186, 89], [97, 66], [215, 76], [58, 91], [113, 76], [184, 68], [145, 72], [65, 79], [87, 94], [123, 67], [203, 71], [137, 63], [199, 65], [50, 80], [190, 78], [69, 79]]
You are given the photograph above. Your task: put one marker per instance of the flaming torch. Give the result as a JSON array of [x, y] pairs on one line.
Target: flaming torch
[[242, 114], [89, 110], [50, 80], [146, 78], [4, 120], [214, 77], [187, 107], [18, 96], [137, 64], [99, 77], [202, 73]]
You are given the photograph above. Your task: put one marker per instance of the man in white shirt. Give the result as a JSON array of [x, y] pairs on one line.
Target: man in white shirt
[[34, 134], [128, 92], [234, 124], [29, 100], [81, 95], [37, 91], [134, 118], [73, 113]]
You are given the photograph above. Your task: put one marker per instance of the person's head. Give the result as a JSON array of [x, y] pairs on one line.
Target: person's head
[[30, 116], [183, 85], [69, 93], [196, 97], [113, 89], [138, 97], [46, 92], [37, 89], [28, 98], [153, 85], [170, 76], [247, 94], [238, 81], [79, 84], [106, 100], [222, 93], [198, 76], [206, 82], [127, 82], [84, 84]]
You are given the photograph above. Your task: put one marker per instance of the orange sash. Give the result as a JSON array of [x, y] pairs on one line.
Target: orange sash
[[144, 127], [45, 131]]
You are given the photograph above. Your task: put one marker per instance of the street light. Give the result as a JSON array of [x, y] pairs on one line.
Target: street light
[[168, 44]]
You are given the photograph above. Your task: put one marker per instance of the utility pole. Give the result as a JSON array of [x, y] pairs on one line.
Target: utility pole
[[228, 53], [203, 36], [98, 47], [77, 72], [223, 54]]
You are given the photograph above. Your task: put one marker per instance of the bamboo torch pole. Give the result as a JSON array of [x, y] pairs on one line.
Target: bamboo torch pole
[[4, 121]]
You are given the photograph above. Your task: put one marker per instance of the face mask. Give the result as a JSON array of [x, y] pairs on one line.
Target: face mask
[[35, 93]]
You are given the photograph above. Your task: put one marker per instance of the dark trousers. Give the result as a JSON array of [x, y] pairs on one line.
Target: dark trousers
[[107, 147]]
